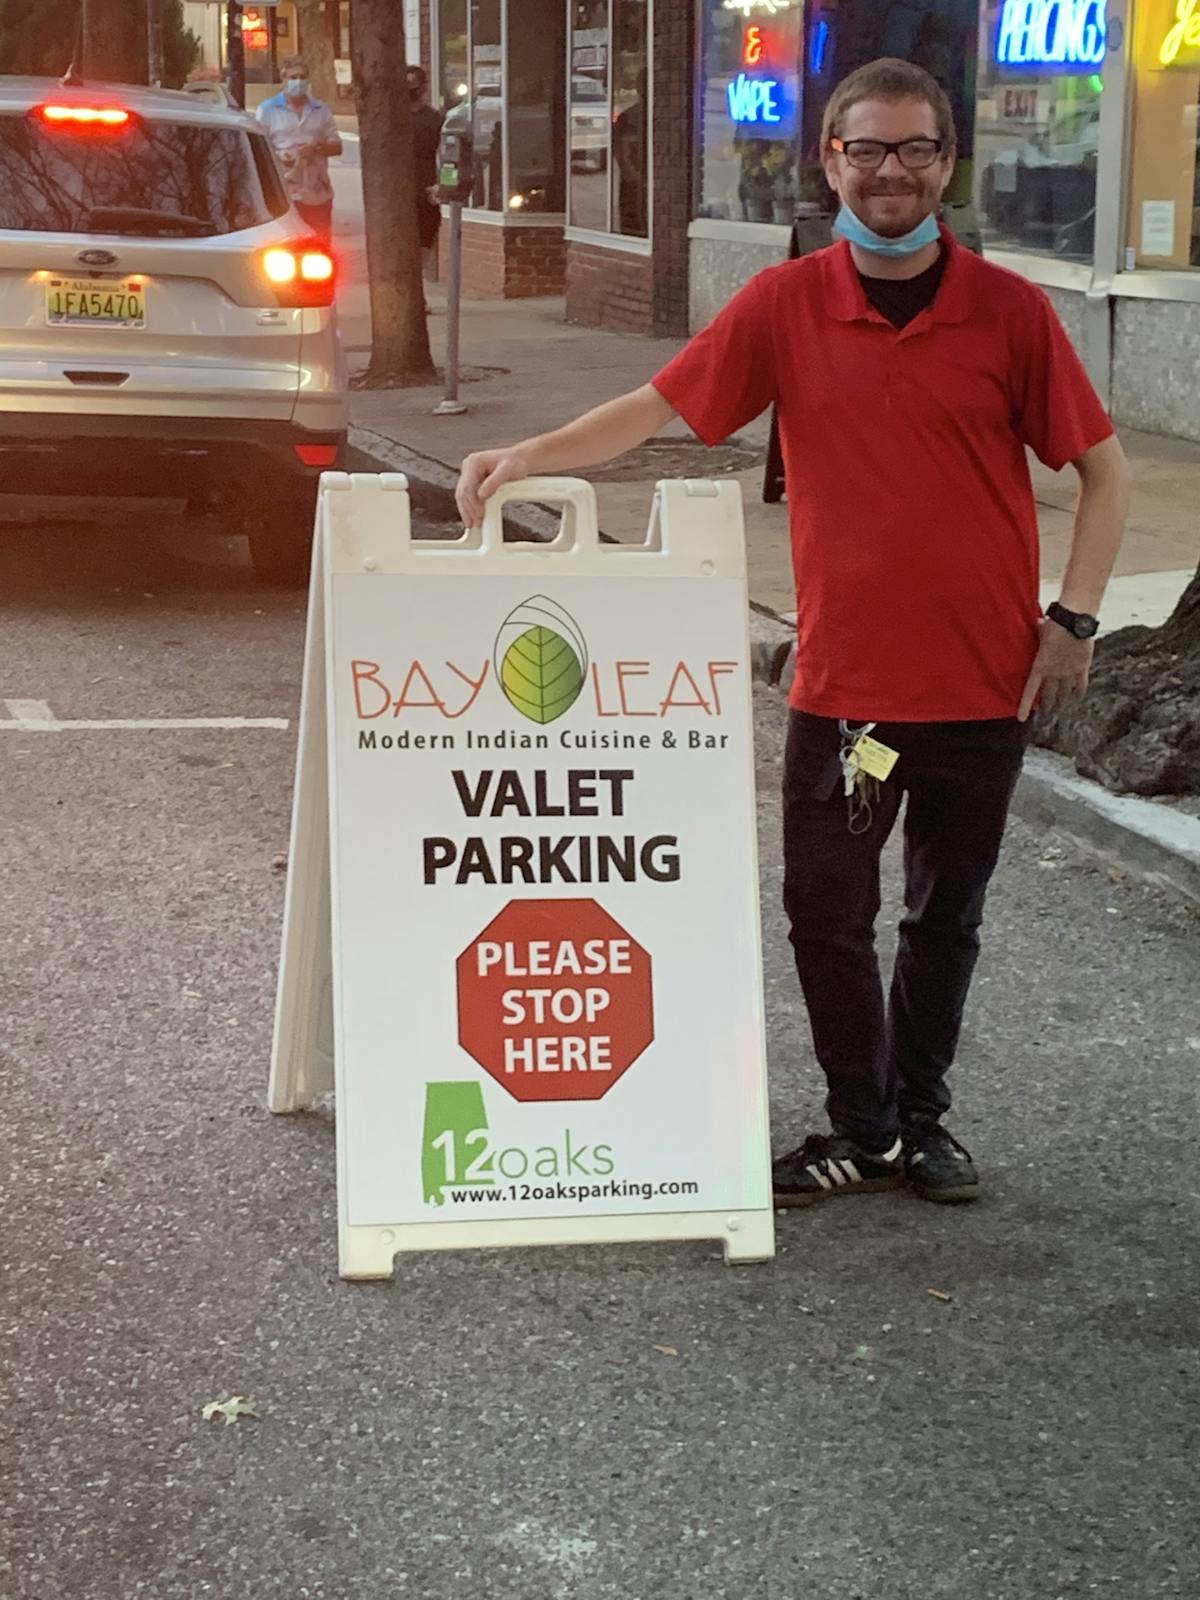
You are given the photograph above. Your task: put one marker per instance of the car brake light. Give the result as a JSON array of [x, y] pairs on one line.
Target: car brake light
[[280, 266], [84, 116], [301, 272], [316, 266], [317, 455]]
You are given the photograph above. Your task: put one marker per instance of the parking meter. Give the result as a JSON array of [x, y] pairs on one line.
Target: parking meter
[[456, 165], [456, 179]]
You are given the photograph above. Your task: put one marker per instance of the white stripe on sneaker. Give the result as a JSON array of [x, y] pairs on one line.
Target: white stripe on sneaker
[[820, 1177], [851, 1171]]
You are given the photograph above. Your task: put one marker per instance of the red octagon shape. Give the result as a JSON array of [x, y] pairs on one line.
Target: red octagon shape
[[555, 1000]]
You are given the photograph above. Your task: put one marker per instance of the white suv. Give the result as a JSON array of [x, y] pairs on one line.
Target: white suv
[[167, 324]]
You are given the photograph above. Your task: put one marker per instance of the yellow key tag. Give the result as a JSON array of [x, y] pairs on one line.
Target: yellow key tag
[[873, 758]]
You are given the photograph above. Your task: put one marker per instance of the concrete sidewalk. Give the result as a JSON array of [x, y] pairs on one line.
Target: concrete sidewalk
[[532, 371]]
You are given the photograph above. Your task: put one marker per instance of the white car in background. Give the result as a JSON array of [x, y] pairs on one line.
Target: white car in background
[[589, 124], [167, 322]]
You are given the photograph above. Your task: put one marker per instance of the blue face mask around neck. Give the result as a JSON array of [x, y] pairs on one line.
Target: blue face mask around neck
[[849, 226]]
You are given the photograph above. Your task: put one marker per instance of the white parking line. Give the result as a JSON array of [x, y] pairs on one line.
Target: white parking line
[[29, 711], [35, 716]]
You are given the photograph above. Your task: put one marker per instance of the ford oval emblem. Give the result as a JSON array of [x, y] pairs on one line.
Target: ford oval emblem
[[96, 258]]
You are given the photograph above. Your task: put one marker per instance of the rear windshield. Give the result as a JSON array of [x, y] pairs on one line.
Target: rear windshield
[[150, 178]]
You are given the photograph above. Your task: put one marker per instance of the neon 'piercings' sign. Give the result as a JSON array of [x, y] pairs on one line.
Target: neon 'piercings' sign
[[1184, 34], [1063, 33]]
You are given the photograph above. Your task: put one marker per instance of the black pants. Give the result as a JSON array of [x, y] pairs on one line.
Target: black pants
[[886, 1066]]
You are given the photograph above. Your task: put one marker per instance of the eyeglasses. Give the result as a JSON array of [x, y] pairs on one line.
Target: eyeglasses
[[871, 153]]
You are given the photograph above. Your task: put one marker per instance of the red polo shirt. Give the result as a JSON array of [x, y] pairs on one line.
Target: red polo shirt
[[914, 532]]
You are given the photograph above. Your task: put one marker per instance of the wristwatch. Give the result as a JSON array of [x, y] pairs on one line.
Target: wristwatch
[[1077, 623]]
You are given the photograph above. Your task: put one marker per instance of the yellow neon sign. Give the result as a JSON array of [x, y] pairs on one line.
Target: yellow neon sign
[[1184, 33]]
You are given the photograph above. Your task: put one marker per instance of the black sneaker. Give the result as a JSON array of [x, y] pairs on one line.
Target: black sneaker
[[938, 1167], [827, 1164]]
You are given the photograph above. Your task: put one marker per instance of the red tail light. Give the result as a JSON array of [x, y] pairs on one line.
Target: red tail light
[[317, 455], [302, 272], [98, 118]]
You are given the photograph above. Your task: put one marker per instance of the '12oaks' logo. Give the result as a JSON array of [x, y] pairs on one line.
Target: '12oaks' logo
[[540, 659]]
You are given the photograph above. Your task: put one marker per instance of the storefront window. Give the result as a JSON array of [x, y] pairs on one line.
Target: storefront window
[[519, 148], [609, 116], [767, 75], [1037, 125], [630, 117], [537, 113], [486, 105], [451, 76], [750, 87], [589, 114], [1164, 211]]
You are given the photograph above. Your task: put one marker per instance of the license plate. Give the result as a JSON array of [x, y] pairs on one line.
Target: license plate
[[89, 302]]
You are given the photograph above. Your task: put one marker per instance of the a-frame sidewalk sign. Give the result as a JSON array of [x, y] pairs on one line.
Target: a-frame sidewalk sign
[[521, 934]]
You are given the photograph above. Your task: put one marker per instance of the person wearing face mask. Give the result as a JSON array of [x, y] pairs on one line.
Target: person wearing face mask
[[426, 133], [304, 134], [910, 376]]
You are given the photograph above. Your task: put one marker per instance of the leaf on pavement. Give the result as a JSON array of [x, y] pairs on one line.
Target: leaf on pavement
[[230, 1409], [666, 1349], [940, 1294]]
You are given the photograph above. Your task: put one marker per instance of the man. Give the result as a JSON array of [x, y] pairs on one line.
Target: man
[[426, 133], [305, 135], [909, 375]]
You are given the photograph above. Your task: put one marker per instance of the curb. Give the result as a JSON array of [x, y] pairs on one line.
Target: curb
[[1153, 843], [431, 483], [771, 643]]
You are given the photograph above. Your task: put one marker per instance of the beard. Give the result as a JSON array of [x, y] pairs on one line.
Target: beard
[[897, 221]]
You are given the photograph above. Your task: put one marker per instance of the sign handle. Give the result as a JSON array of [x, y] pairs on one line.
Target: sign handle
[[580, 532]]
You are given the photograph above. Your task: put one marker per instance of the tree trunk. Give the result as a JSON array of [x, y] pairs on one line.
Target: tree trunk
[[316, 45], [1138, 730], [116, 42], [399, 335]]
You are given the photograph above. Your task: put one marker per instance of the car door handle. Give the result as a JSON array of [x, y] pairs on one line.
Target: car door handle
[[111, 379]]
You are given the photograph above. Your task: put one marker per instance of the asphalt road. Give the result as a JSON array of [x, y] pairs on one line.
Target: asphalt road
[[502, 1424]]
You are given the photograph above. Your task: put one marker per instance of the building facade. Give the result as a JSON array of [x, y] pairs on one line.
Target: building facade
[[276, 29], [645, 157]]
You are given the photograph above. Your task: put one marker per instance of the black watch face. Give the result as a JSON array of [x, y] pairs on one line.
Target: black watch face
[[1085, 627]]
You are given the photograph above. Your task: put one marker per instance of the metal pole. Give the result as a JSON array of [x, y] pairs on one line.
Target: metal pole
[[452, 406], [154, 43], [235, 53]]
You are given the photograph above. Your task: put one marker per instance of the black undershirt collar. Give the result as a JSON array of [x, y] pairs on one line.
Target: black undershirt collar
[[902, 299]]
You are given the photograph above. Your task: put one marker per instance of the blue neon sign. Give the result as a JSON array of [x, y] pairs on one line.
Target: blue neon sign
[[819, 48], [1061, 33], [756, 100]]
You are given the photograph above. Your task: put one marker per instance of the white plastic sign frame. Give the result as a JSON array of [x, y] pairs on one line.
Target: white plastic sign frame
[[366, 999]]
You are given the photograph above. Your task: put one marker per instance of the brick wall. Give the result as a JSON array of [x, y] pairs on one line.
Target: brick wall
[[673, 111], [610, 288], [511, 263]]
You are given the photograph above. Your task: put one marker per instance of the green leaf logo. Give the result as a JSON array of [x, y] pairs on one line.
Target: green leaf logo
[[541, 675], [540, 660]]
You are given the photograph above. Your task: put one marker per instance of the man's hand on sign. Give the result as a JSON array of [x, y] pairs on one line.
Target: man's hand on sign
[[1060, 670], [483, 472], [599, 435]]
